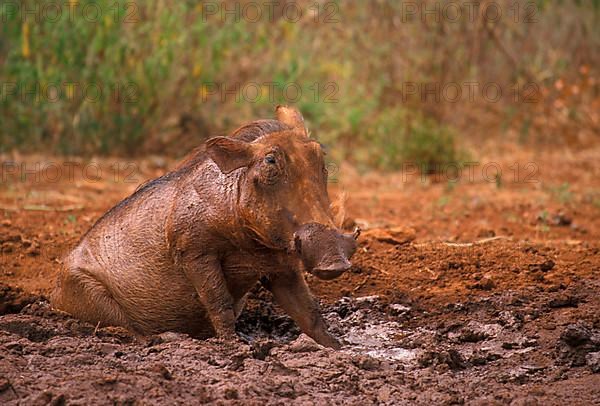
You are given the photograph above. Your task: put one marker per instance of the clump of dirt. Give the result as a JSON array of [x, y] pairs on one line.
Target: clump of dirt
[[16, 243], [580, 345], [13, 299]]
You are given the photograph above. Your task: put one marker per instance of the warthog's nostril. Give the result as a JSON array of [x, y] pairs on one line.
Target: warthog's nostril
[[333, 269], [341, 265]]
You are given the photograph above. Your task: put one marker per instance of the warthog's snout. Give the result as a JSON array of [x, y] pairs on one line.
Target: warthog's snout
[[332, 270], [325, 252]]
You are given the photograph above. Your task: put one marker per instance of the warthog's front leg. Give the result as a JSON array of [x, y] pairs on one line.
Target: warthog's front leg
[[292, 293], [206, 276]]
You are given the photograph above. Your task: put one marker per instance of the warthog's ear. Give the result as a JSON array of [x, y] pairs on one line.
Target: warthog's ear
[[292, 117], [229, 154]]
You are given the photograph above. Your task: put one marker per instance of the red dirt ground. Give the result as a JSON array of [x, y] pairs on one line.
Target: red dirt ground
[[481, 291]]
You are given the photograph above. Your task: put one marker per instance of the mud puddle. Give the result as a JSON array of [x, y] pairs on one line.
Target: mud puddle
[[500, 349]]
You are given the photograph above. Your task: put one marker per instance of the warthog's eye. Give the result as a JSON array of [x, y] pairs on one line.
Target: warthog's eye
[[271, 168], [270, 159]]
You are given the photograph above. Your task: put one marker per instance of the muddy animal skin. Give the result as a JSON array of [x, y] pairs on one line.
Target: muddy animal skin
[[181, 253]]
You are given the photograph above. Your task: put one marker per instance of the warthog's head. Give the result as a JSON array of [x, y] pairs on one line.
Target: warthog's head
[[282, 191]]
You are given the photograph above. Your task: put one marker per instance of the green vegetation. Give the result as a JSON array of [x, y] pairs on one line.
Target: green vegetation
[[161, 76], [398, 136]]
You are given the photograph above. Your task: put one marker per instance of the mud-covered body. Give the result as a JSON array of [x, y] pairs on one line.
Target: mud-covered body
[[181, 253], [132, 251]]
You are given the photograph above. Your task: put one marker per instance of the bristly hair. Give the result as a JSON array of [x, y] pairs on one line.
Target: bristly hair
[[252, 131]]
